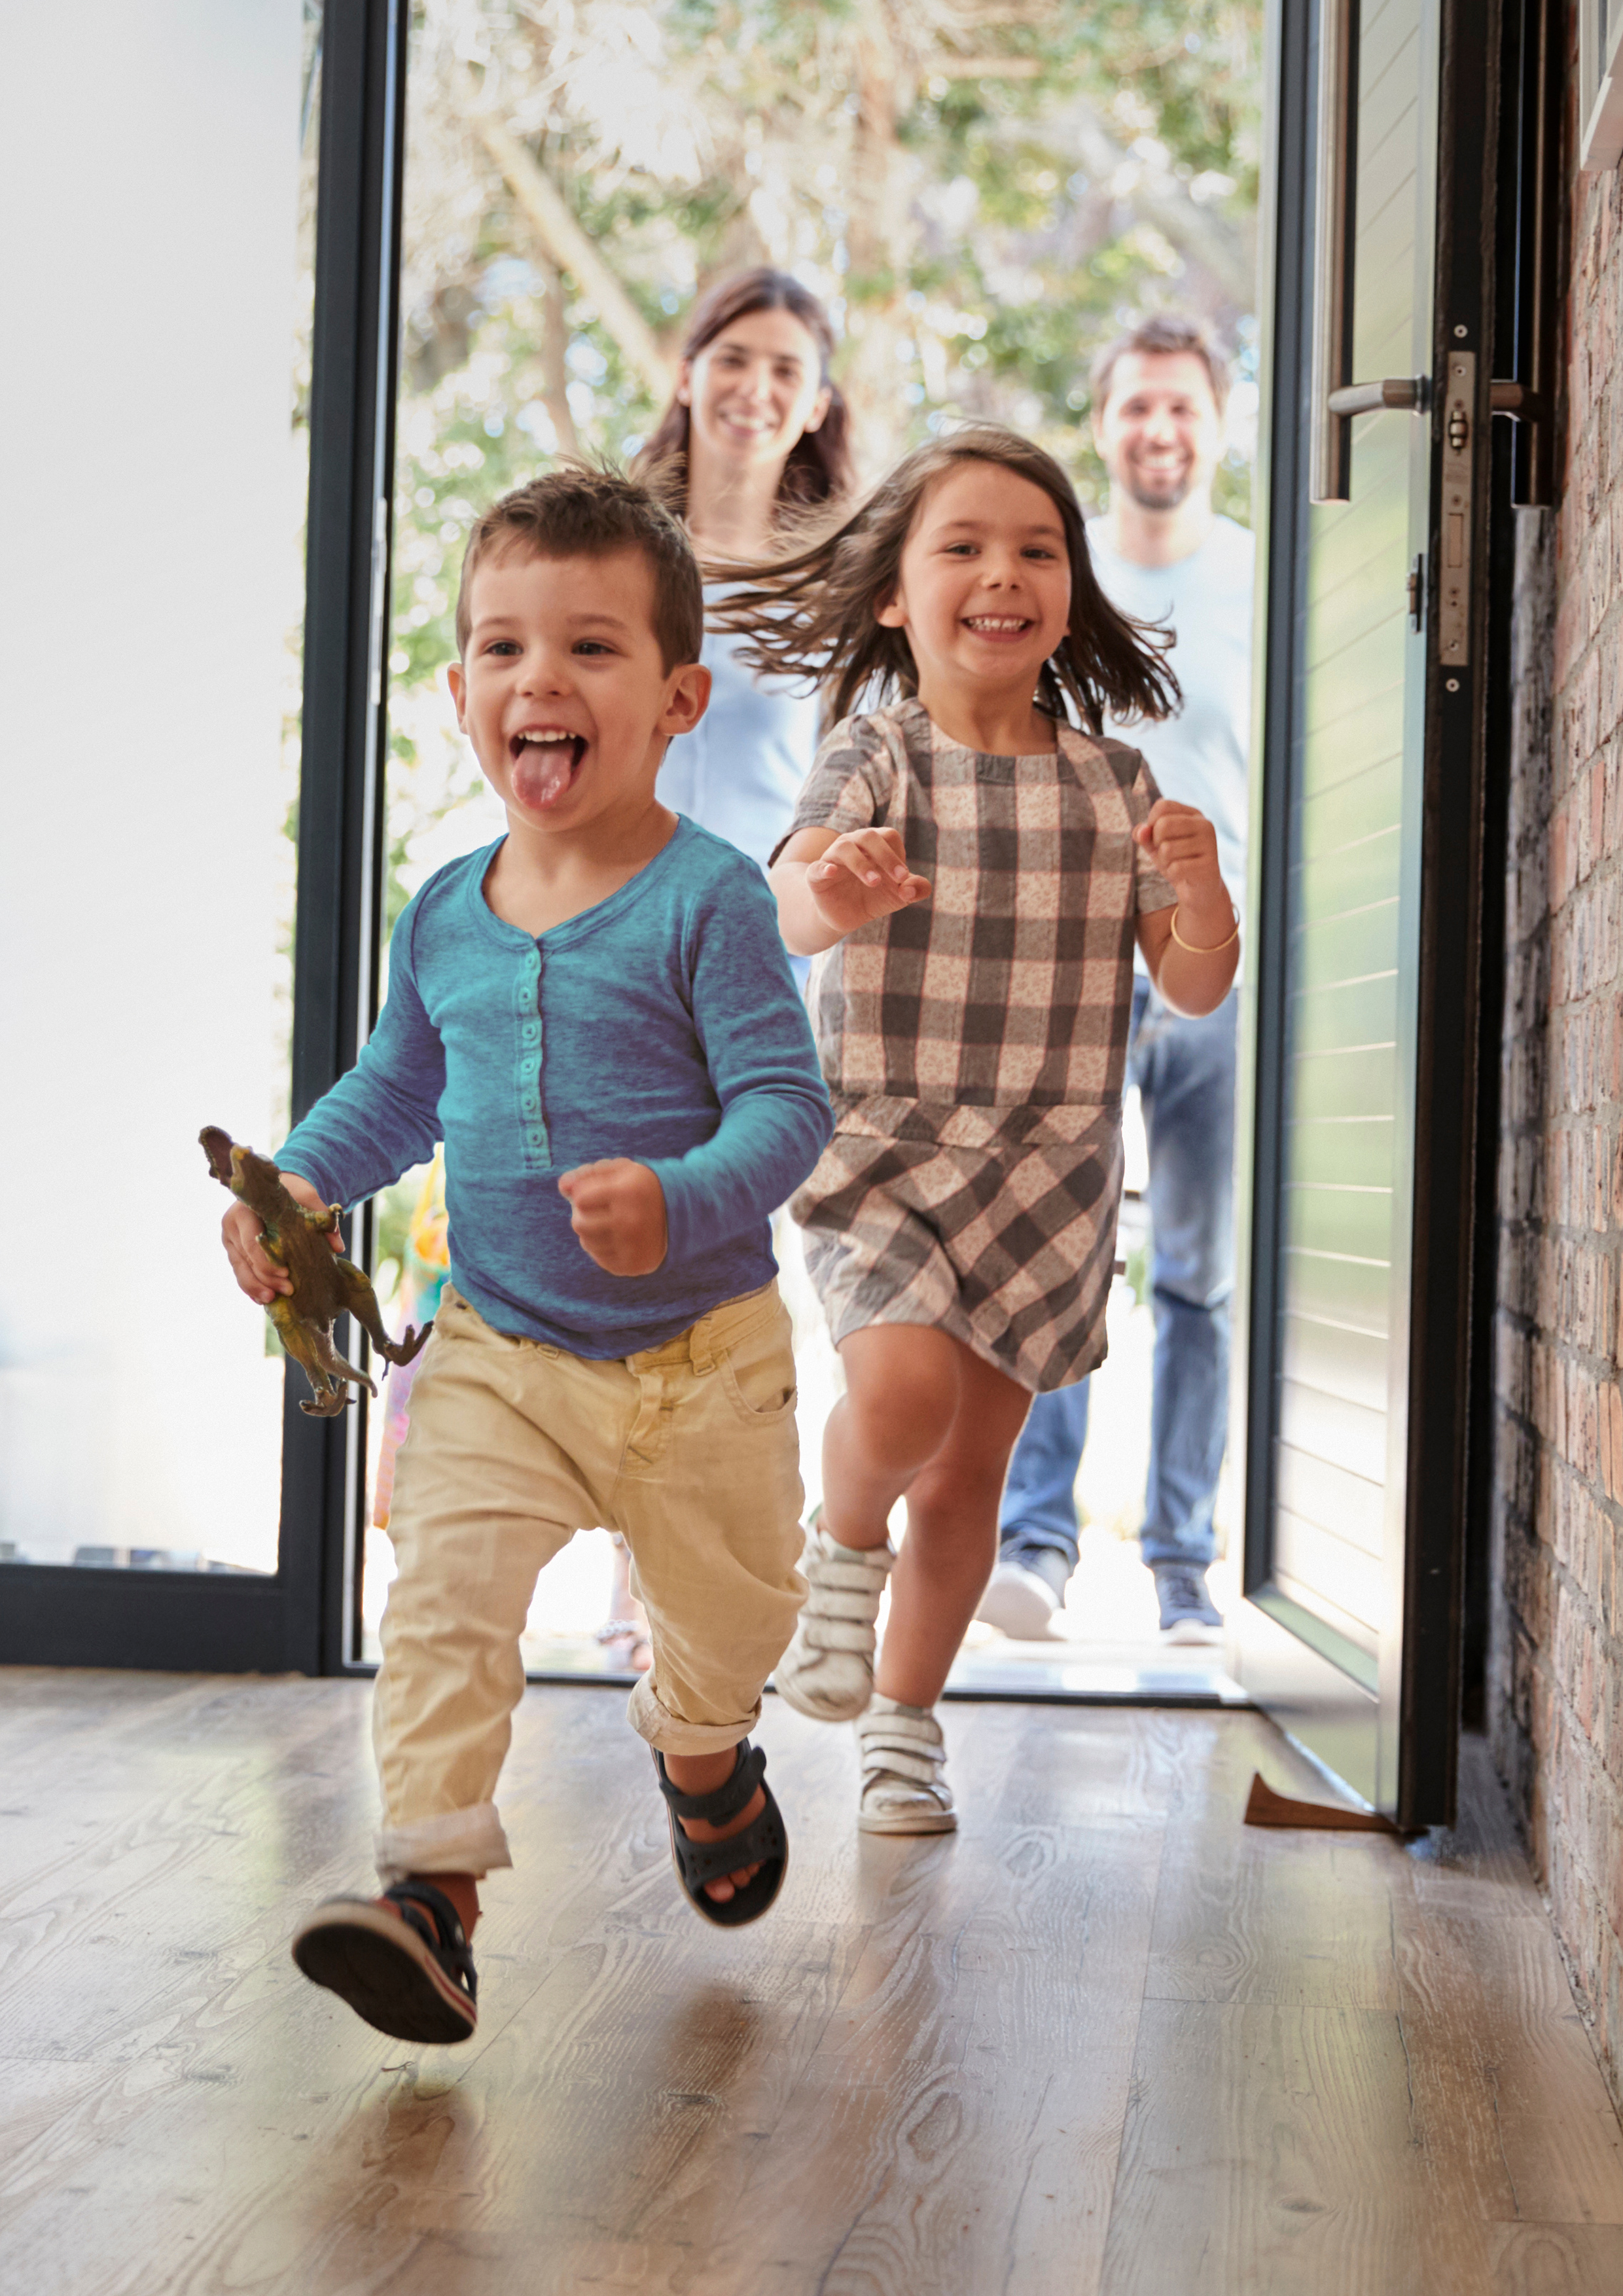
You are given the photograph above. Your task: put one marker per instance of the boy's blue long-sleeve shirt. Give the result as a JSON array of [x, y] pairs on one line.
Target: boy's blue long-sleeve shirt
[[662, 1025]]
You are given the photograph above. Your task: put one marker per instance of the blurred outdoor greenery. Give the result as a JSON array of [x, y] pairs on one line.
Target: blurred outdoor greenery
[[983, 195]]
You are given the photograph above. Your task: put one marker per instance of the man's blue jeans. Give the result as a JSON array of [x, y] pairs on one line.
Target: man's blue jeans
[[1184, 1073]]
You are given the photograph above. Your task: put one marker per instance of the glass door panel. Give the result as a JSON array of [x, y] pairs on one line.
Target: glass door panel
[[147, 863], [535, 144]]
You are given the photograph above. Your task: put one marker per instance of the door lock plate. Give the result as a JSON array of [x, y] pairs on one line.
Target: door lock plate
[[1456, 521]]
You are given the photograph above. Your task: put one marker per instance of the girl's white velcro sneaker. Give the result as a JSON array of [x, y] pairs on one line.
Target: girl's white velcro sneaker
[[827, 1671], [904, 1771]]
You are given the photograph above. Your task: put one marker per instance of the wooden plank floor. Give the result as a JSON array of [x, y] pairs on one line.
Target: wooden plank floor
[[1106, 2040]]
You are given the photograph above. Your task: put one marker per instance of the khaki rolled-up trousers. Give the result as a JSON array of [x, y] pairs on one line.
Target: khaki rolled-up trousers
[[689, 1450]]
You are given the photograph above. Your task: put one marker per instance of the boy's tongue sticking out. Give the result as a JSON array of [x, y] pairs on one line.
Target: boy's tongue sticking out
[[565, 692], [544, 765]]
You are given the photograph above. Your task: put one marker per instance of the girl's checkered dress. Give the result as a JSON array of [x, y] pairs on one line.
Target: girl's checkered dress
[[974, 1047]]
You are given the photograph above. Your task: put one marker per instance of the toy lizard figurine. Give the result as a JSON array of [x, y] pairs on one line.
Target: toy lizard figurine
[[326, 1285]]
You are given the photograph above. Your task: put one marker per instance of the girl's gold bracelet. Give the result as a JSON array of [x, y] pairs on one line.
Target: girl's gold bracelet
[[1217, 947]]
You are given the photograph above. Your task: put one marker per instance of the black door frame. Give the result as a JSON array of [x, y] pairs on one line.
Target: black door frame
[[1445, 1208], [1528, 225], [355, 354], [298, 1618]]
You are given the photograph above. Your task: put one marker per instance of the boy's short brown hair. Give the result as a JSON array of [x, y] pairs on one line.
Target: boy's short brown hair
[[584, 510], [1162, 335]]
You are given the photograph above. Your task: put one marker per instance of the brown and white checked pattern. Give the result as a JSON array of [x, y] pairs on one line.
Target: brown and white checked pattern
[[1010, 987], [975, 1046], [998, 1225]]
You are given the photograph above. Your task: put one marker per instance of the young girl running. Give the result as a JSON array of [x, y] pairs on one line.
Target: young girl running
[[969, 867]]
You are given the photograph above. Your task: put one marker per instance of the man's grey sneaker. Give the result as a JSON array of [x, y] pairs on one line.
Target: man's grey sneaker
[[827, 1671], [1024, 1592], [903, 1781], [1188, 1613]]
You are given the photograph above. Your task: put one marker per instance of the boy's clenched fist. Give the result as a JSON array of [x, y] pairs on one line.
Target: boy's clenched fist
[[617, 1211]]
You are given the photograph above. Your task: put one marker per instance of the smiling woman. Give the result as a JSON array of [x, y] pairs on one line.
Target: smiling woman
[[756, 417], [755, 428]]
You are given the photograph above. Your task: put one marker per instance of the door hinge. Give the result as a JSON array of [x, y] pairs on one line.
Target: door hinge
[[1454, 607], [1417, 592]]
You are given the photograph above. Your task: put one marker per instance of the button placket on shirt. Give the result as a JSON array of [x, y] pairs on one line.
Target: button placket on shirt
[[526, 1009]]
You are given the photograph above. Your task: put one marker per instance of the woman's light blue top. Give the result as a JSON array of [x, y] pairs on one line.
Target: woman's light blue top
[[738, 772]]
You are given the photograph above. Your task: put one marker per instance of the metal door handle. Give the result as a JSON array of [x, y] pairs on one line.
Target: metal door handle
[[1330, 470], [1410, 392], [1517, 399]]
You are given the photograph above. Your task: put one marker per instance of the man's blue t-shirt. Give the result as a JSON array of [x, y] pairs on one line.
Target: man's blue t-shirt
[[662, 1025]]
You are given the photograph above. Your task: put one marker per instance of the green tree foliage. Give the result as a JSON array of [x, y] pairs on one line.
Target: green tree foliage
[[983, 195]]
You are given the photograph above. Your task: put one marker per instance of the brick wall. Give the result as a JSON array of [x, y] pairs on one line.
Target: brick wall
[[1556, 1665]]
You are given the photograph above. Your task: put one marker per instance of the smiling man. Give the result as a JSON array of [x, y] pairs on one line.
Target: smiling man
[[1164, 554]]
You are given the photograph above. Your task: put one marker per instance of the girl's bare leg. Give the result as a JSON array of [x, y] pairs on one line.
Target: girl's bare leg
[[952, 1536], [924, 1415], [902, 1389]]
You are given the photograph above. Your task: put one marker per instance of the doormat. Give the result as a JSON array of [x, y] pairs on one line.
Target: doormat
[[1267, 1807]]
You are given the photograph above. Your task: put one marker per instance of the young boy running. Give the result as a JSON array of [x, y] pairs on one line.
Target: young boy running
[[597, 1016]]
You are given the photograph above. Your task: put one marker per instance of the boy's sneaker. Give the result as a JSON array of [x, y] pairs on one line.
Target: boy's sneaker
[[903, 1781], [827, 1671], [1024, 1592], [1188, 1613]]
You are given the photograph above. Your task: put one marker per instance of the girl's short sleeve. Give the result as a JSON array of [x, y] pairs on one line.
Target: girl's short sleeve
[[1151, 890], [852, 783]]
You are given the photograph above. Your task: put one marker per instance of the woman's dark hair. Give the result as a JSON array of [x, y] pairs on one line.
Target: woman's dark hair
[[812, 613], [819, 466]]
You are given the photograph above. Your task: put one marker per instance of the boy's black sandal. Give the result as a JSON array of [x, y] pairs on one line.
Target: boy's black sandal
[[404, 1973], [763, 1842]]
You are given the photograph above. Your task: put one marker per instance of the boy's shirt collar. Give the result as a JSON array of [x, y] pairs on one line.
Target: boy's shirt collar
[[611, 907]]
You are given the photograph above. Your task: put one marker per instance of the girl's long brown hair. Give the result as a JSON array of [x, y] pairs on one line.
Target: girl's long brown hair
[[819, 468], [812, 613]]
